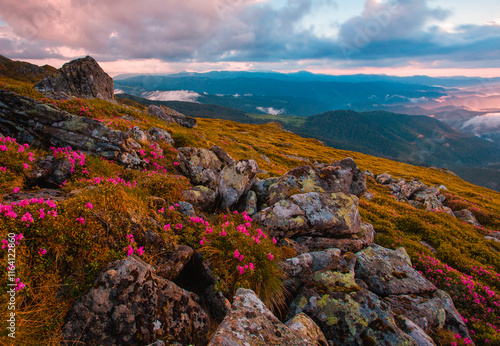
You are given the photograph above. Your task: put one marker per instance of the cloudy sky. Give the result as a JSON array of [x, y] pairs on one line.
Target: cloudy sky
[[401, 37]]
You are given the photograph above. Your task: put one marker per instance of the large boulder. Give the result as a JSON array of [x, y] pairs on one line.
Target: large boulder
[[130, 304], [410, 188], [346, 313], [430, 313], [235, 181], [466, 215], [314, 214], [389, 272], [200, 196], [79, 78], [171, 116], [36, 123], [340, 176], [201, 166], [250, 322]]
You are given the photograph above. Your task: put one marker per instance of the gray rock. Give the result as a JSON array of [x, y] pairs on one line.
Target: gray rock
[[354, 243], [223, 156], [312, 214], [345, 176], [383, 178], [218, 304], [79, 78], [467, 216], [410, 328], [235, 181], [303, 324], [368, 195], [346, 313], [138, 135], [389, 272], [159, 135], [159, 113], [33, 122], [50, 170], [410, 188], [186, 209], [251, 203], [130, 304], [201, 166], [251, 323], [200, 196]]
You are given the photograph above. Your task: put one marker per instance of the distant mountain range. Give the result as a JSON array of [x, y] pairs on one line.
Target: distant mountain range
[[461, 102], [419, 140]]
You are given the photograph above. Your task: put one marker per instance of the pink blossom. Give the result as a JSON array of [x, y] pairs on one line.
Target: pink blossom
[[236, 253], [251, 266], [20, 285], [274, 241], [130, 250], [176, 163], [140, 251], [130, 237], [270, 255], [241, 270], [42, 252], [5, 243], [81, 220], [3, 169], [26, 166], [89, 205], [15, 190], [171, 207], [161, 211], [42, 213], [241, 258], [178, 226], [167, 227]]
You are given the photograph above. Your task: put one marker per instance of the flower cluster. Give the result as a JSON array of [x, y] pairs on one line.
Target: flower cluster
[[130, 249]]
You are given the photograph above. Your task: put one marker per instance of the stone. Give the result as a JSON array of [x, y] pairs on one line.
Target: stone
[[312, 214], [186, 209], [353, 243], [345, 176], [159, 113], [303, 324], [180, 118], [235, 181], [171, 264], [368, 195], [50, 171], [223, 156], [200, 196], [346, 313], [36, 123], [410, 188], [368, 173], [383, 178], [251, 203], [138, 135], [430, 313], [250, 322], [261, 188], [201, 166], [410, 328], [301, 179], [79, 78], [130, 304], [159, 135], [389, 272], [467, 216]]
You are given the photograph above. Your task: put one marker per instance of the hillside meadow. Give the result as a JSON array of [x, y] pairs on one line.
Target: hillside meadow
[[63, 245]]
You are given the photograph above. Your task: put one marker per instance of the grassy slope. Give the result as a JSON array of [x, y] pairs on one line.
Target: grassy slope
[[74, 259]]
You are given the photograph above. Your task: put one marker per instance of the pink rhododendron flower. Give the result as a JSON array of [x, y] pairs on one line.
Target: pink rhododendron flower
[[274, 241], [140, 251], [81, 220], [236, 253], [89, 205], [129, 250], [42, 251], [15, 190], [241, 270], [270, 255], [251, 266], [25, 165]]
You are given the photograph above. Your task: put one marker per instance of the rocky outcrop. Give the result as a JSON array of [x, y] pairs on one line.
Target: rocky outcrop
[[200, 196], [36, 123], [130, 304], [251, 323], [235, 181], [373, 297], [159, 135], [82, 78], [171, 116], [388, 272], [50, 171], [314, 214], [416, 193], [201, 166]]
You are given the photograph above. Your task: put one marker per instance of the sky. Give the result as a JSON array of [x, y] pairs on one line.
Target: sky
[[395, 37]]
